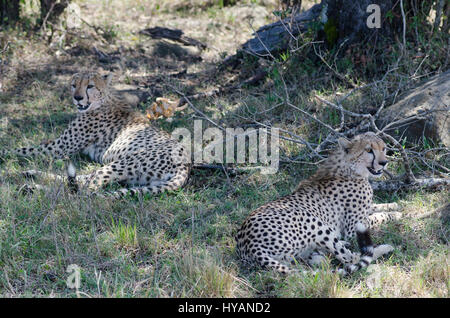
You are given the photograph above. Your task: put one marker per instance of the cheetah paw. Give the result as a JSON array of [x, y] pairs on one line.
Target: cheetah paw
[[316, 259], [345, 244], [30, 173], [396, 215], [28, 189], [381, 250]]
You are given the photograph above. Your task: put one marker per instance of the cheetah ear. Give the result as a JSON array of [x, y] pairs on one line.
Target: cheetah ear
[[344, 144], [108, 78], [74, 76]]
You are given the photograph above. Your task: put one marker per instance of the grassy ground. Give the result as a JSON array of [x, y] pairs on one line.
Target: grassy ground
[[180, 244]]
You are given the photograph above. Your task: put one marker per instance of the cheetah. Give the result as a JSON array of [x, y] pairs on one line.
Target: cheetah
[[322, 214], [107, 129], [163, 107]]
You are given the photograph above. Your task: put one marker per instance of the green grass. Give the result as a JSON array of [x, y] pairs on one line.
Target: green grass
[[181, 243]]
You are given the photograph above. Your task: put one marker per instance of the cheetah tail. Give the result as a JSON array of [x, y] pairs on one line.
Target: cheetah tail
[[72, 177], [366, 247]]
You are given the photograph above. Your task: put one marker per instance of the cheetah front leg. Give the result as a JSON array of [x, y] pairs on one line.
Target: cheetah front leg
[[99, 178], [316, 258], [92, 181], [378, 218], [386, 207], [31, 174], [71, 141], [384, 212], [43, 174], [329, 240]]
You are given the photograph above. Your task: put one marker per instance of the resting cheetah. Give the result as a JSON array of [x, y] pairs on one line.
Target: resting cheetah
[[110, 132], [332, 205], [163, 107]]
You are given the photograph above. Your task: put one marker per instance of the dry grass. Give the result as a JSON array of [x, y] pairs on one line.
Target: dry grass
[[181, 244]]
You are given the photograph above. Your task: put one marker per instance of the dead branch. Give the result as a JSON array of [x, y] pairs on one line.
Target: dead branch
[[229, 171], [367, 121], [44, 23], [409, 174], [298, 139], [198, 111], [96, 28], [5, 48], [335, 72]]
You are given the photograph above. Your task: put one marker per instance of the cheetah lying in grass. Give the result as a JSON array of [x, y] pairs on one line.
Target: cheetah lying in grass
[[110, 132], [323, 213]]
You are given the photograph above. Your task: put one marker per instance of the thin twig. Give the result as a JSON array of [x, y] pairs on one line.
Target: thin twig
[[339, 107], [404, 25], [336, 73], [5, 47], [46, 17], [409, 174], [196, 109]]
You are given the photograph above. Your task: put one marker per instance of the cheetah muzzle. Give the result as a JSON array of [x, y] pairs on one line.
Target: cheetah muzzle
[[374, 172]]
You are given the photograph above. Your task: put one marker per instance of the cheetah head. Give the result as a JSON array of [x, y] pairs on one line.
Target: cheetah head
[[89, 90], [365, 154]]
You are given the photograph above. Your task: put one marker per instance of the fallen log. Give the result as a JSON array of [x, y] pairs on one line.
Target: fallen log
[[425, 183], [275, 37], [172, 34]]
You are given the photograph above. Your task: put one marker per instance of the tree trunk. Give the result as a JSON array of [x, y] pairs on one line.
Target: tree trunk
[[9, 11], [275, 37], [51, 10], [355, 19], [342, 22], [349, 21]]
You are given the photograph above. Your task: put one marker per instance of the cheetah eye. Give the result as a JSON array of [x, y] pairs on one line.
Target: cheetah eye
[[90, 86], [370, 150]]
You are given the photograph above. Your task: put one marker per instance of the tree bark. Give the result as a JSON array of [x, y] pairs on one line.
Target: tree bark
[[341, 22], [9, 11], [51, 10], [275, 37]]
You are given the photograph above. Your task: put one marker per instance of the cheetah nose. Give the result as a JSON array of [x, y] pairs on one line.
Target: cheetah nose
[[383, 163], [78, 98]]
